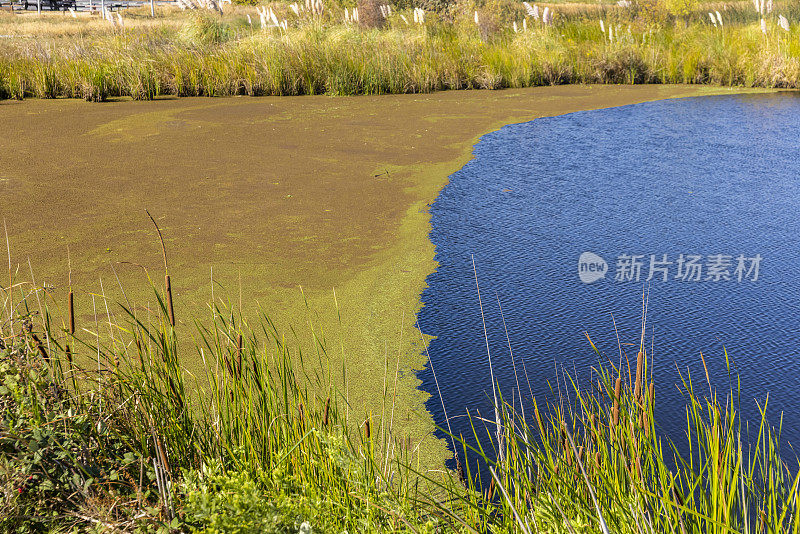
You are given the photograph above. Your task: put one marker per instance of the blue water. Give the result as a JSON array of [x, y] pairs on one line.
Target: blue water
[[704, 176]]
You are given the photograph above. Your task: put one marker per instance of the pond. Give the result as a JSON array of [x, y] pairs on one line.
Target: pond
[[691, 203]]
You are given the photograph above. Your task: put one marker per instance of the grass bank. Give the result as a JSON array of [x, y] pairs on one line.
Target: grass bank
[[284, 201], [464, 45], [134, 443]]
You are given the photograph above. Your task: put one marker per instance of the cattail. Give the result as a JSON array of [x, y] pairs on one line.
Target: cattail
[[367, 431], [538, 418], [239, 356], [615, 404], [169, 301], [460, 471], [645, 413], [71, 308], [300, 415], [637, 388], [327, 412], [491, 490]]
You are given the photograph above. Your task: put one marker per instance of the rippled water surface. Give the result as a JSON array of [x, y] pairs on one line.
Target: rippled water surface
[[704, 176]]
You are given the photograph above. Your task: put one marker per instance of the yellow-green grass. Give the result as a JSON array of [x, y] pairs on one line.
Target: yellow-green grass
[[274, 194], [203, 54]]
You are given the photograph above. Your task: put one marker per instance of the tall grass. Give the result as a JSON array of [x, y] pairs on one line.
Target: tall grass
[[115, 434], [212, 56]]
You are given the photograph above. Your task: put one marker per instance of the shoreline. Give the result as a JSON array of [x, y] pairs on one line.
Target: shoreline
[[321, 192]]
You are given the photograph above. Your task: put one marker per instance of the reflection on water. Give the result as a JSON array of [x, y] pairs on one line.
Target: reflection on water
[[704, 191]]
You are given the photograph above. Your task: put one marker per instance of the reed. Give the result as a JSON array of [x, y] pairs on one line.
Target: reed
[[220, 55], [263, 432]]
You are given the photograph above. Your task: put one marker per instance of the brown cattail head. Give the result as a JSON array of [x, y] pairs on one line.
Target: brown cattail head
[[615, 404], [71, 307], [677, 496], [460, 471], [169, 301], [538, 419], [490, 493], [637, 388], [367, 431], [239, 356], [327, 412]]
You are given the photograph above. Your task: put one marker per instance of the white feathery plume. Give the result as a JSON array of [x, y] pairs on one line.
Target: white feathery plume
[[524, 25], [262, 15], [249, 20], [355, 14], [514, 26], [284, 25], [535, 13], [783, 22], [389, 9], [119, 20], [761, 7], [769, 6], [547, 16], [476, 17], [713, 18], [72, 12], [294, 7], [346, 15], [273, 18], [764, 26], [528, 9], [719, 19], [602, 26], [755, 5], [404, 19]]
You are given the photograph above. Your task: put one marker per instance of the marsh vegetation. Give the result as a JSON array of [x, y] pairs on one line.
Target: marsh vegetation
[[286, 49]]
